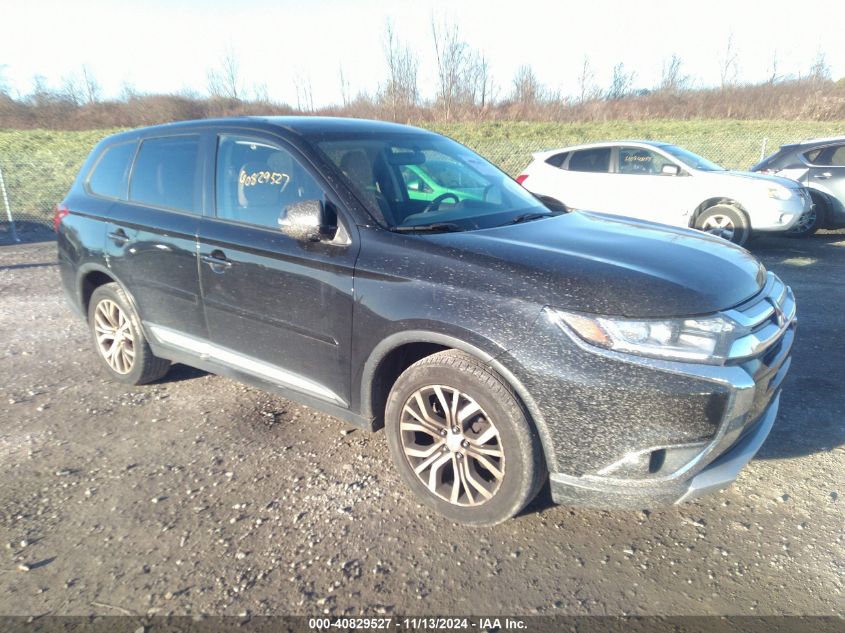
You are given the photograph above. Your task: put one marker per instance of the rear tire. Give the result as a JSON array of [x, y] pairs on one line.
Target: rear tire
[[119, 339], [811, 221], [725, 221], [475, 458]]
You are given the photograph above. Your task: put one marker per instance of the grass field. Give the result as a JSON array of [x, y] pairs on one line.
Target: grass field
[[39, 165]]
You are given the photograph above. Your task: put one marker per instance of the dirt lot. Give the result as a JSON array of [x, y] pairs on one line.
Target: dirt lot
[[199, 495]]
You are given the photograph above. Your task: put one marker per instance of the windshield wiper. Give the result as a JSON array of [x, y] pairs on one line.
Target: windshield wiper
[[436, 227], [527, 217]]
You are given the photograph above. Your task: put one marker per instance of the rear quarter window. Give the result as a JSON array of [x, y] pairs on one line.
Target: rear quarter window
[[557, 160], [111, 173], [165, 173]]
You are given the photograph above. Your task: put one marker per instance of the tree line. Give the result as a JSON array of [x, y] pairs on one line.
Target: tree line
[[465, 90]]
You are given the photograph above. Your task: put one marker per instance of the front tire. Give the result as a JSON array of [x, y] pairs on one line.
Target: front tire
[[119, 339], [461, 440], [725, 221]]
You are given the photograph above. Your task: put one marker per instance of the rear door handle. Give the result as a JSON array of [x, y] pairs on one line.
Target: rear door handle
[[119, 237], [217, 261], [823, 176]]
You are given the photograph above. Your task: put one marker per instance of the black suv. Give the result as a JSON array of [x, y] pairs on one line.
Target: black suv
[[496, 341], [819, 164]]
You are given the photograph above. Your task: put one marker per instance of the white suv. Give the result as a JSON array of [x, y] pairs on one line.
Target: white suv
[[667, 184]]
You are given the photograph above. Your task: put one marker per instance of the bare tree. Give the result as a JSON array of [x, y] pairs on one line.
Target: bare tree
[[401, 89], [621, 82], [70, 90], [260, 93], [304, 94], [464, 79], [772, 70], [587, 89], [820, 70], [671, 77], [729, 64], [527, 89], [225, 82], [344, 87], [90, 86], [4, 86]]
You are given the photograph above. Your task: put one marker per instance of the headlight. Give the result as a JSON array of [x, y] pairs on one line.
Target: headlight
[[705, 339], [779, 192]]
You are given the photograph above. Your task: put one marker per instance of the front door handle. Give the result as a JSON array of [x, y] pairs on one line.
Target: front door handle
[[119, 237], [217, 261], [823, 176]]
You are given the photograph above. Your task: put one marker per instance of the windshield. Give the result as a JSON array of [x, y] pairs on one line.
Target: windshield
[[690, 159], [426, 180]]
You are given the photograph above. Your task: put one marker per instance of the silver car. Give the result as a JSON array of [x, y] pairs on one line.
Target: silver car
[[667, 184]]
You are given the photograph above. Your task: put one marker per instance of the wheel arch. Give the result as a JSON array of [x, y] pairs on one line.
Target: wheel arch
[[711, 202], [91, 277], [382, 369]]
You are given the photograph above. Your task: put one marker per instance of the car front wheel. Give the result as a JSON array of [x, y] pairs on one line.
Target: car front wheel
[[461, 440], [725, 221], [811, 220]]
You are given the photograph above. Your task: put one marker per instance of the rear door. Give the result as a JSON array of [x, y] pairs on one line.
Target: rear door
[[827, 170], [151, 236], [584, 180], [276, 307]]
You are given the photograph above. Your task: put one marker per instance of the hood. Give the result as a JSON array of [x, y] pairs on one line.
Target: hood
[[751, 175], [602, 264]]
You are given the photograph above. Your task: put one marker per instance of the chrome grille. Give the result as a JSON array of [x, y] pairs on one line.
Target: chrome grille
[[766, 317]]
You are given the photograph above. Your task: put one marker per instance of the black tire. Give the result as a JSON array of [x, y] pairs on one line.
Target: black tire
[[522, 465], [811, 221], [144, 366], [725, 221]]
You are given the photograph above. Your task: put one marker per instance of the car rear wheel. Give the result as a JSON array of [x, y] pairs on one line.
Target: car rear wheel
[[811, 220], [119, 340], [461, 440], [725, 221]]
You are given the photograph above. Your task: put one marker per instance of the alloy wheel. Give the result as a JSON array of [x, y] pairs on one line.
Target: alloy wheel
[[805, 221], [719, 225], [115, 340], [452, 445]]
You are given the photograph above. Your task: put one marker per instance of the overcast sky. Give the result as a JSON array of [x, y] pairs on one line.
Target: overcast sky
[[169, 46]]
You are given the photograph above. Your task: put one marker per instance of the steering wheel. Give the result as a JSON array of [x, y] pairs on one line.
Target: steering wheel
[[435, 204]]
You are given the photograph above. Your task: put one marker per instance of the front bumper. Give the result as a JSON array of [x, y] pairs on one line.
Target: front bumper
[[716, 476], [779, 215], [623, 431]]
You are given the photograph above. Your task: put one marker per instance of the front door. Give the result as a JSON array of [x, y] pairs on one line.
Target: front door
[[276, 307]]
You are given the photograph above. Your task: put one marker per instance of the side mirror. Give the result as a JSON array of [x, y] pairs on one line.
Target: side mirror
[[303, 221], [670, 170]]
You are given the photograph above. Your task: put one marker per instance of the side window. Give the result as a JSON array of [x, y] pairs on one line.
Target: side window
[[637, 160], [111, 174], [413, 180], [165, 173], [557, 160], [594, 160], [257, 180], [833, 156]]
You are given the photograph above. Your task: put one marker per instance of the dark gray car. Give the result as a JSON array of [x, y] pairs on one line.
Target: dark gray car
[[819, 164]]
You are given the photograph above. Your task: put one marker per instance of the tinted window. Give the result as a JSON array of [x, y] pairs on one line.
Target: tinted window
[[557, 159], [828, 156], [165, 173], [636, 160], [257, 180], [112, 171], [596, 160]]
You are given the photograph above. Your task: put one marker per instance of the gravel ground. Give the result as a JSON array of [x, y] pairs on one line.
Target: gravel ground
[[199, 495]]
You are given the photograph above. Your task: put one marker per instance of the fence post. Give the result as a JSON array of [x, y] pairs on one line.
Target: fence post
[[763, 149], [8, 208]]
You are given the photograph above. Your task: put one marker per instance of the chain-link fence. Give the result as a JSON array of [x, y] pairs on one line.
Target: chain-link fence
[[38, 167]]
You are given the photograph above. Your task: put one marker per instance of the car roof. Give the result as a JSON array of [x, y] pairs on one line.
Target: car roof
[[828, 139], [300, 125], [636, 143]]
